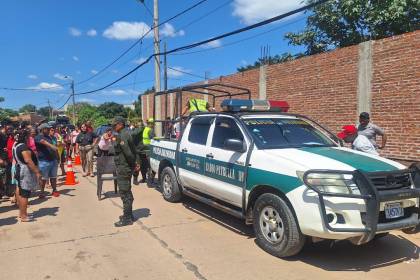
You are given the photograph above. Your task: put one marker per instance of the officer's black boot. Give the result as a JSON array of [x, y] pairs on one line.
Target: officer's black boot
[[124, 221], [132, 217]]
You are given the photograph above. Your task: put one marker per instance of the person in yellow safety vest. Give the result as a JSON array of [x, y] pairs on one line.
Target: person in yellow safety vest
[[148, 134], [196, 105]]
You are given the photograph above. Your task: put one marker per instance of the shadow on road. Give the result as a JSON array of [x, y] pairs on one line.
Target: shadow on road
[[8, 221], [141, 213], [344, 256], [66, 192], [227, 221], [6, 208], [51, 211]]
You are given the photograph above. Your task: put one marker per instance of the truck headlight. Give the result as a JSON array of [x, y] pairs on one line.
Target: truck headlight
[[330, 182]]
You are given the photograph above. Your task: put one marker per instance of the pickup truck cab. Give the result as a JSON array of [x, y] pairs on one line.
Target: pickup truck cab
[[287, 176]]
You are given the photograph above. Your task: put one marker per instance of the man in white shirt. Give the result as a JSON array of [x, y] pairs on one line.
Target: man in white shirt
[[358, 142]]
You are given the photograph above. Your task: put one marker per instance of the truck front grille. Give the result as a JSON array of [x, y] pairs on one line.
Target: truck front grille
[[391, 181]]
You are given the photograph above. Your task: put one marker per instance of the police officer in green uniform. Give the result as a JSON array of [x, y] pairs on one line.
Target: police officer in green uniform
[[137, 135], [148, 135], [125, 162]]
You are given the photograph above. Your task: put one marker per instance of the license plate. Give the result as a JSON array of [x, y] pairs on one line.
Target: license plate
[[393, 210]]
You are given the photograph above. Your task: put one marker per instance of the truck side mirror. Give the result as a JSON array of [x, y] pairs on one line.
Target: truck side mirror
[[234, 145]]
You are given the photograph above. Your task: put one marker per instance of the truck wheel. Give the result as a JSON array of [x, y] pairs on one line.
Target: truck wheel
[[276, 228], [169, 184]]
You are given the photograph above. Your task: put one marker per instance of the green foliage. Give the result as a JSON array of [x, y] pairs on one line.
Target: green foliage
[[6, 114], [270, 60], [111, 109], [103, 114], [341, 23], [28, 108], [44, 111]]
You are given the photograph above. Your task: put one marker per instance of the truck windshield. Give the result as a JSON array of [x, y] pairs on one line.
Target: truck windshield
[[277, 133]]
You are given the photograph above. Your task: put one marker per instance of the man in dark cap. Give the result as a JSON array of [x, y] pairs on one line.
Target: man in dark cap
[[125, 161], [371, 130]]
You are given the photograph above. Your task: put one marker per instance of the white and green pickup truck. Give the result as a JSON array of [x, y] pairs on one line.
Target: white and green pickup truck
[[287, 176]]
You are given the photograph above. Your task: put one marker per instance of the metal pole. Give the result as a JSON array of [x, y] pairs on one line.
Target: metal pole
[[50, 108], [157, 103], [165, 77], [74, 102]]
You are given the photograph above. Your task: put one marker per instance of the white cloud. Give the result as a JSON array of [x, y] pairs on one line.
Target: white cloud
[[75, 32], [174, 73], [123, 30], [140, 60], [94, 72], [91, 33], [47, 86], [78, 72], [212, 44], [75, 58], [251, 11], [168, 30], [60, 76], [32, 77], [115, 92]]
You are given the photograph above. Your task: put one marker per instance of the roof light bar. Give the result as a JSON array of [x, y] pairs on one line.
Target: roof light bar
[[248, 105]]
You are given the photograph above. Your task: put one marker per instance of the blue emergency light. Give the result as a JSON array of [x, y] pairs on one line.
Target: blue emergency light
[[252, 105]]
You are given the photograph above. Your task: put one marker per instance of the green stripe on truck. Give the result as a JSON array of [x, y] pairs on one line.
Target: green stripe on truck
[[356, 161]]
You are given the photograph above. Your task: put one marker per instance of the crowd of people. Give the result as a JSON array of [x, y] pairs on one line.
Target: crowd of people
[[31, 156]]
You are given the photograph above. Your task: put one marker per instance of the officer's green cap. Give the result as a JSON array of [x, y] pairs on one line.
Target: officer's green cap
[[118, 120]]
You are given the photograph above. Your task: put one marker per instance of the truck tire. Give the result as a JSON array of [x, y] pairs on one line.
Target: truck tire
[[276, 228], [170, 188]]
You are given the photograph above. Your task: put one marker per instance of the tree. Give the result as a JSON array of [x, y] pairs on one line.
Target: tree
[[111, 109], [28, 108], [44, 111], [1, 99], [343, 23]]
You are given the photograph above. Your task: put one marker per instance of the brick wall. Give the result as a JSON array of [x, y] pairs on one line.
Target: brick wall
[[396, 94], [324, 87]]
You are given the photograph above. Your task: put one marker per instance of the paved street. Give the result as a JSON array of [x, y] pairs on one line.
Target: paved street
[[73, 238]]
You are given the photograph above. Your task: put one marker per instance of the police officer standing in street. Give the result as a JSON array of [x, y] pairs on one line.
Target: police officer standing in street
[[125, 161], [148, 135], [137, 134]]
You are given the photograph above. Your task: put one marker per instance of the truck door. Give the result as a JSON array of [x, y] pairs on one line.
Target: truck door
[[192, 152], [225, 169]]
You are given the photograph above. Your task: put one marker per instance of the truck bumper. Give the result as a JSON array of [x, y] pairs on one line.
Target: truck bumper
[[361, 217]]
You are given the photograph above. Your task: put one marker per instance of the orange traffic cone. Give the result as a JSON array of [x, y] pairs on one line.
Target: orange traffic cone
[[77, 160], [70, 178]]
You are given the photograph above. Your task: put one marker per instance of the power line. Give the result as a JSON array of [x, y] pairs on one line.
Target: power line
[[228, 34], [242, 40], [147, 8], [186, 73], [141, 39], [65, 103]]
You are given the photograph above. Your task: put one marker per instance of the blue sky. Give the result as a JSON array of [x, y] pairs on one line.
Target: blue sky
[[42, 41]]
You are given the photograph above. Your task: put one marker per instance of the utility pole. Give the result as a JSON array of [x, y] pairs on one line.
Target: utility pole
[[74, 102], [165, 78], [50, 109], [158, 128]]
